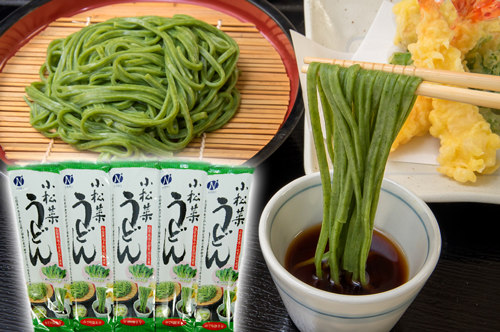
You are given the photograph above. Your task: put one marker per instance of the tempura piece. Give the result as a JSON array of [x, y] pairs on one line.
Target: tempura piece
[[429, 52], [470, 24], [438, 36], [417, 124], [433, 49], [467, 143], [492, 30], [407, 18]]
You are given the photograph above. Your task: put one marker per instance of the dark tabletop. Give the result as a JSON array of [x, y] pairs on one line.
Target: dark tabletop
[[463, 293]]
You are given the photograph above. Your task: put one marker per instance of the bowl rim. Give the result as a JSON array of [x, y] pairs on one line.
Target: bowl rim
[[408, 287]]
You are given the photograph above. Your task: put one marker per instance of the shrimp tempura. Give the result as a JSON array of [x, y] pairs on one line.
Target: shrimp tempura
[[470, 25], [418, 123], [467, 143]]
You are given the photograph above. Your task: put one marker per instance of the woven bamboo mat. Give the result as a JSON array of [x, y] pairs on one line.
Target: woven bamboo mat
[[264, 85]]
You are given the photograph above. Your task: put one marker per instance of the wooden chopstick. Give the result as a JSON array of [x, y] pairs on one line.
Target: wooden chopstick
[[470, 80], [478, 81], [466, 96]]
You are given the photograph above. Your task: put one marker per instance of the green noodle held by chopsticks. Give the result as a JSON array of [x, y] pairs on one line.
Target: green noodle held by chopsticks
[[134, 86], [363, 111]]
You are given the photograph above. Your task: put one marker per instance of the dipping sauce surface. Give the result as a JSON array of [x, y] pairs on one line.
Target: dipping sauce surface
[[386, 266]]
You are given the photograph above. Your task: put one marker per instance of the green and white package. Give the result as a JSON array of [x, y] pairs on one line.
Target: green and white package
[[87, 202], [227, 199], [38, 206], [182, 208], [134, 202]]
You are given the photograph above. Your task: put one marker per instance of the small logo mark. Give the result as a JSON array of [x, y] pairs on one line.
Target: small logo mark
[[166, 179], [212, 185], [118, 178], [19, 181], [68, 179]]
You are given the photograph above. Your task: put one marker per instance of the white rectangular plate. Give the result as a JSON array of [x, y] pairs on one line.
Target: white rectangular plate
[[342, 25]]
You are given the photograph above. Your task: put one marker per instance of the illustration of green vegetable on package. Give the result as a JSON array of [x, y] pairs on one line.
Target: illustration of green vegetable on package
[[182, 192], [227, 198], [38, 207], [134, 197], [90, 228], [154, 246]]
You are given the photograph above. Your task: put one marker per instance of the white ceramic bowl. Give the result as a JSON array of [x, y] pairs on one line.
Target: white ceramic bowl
[[60, 315], [401, 214], [225, 318], [95, 304], [181, 313], [140, 314]]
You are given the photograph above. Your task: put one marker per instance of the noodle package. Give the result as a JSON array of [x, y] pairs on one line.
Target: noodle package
[[149, 246], [135, 192], [182, 191], [227, 198], [38, 206], [90, 243]]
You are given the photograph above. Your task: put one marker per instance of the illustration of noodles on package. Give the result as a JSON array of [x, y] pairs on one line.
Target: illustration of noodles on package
[[227, 198], [90, 243], [134, 195], [182, 209], [38, 207], [131, 245]]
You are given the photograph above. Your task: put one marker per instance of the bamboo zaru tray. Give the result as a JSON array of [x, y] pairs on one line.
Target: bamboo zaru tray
[[264, 84], [177, 291], [50, 292], [87, 296], [218, 296], [129, 296]]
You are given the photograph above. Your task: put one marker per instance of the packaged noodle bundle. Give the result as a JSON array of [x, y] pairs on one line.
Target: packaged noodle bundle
[[227, 196], [38, 204], [87, 202], [134, 202], [182, 192]]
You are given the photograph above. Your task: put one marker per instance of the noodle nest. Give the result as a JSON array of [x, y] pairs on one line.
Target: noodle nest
[[137, 86]]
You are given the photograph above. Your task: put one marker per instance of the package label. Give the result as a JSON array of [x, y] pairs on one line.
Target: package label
[[90, 231], [135, 193], [226, 211], [182, 212], [38, 205]]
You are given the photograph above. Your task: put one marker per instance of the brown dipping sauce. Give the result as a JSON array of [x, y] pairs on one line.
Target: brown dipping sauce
[[386, 266]]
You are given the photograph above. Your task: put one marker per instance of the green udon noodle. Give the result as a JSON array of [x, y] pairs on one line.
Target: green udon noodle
[[134, 86], [363, 113]]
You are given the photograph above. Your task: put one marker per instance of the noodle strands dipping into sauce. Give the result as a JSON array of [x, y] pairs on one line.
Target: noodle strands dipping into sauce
[[386, 266], [363, 111]]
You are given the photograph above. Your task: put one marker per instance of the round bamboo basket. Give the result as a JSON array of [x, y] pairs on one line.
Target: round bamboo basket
[[129, 296], [264, 85], [88, 296], [177, 291], [214, 300], [50, 292]]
